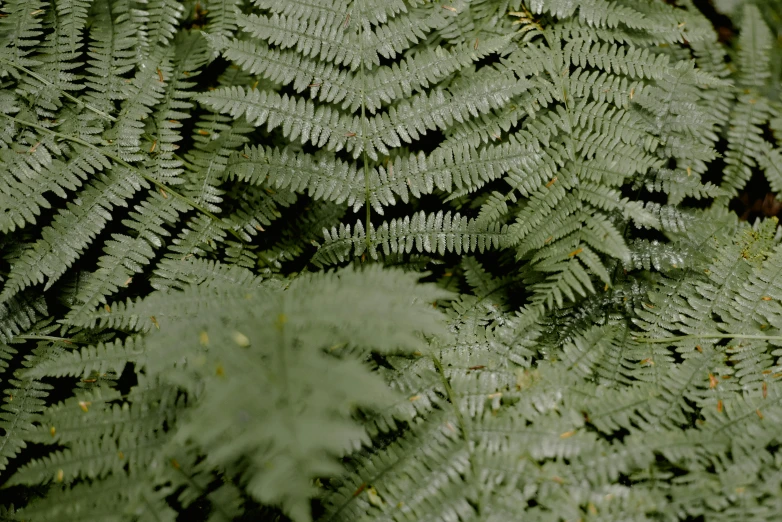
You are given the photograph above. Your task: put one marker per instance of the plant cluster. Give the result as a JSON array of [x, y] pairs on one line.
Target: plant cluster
[[401, 260]]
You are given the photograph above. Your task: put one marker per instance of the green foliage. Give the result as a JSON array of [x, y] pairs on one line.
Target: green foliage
[[227, 345], [388, 260]]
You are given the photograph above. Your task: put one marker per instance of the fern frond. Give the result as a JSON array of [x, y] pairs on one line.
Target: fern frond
[[147, 90], [221, 16], [328, 83], [636, 63], [112, 39], [770, 160], [19, 313], [293, 323], [23, 192], [52, 76], [663, 257], [21, 28], [164, 17], [199, 236], [91, 459], [324, 127], [599, 13], [440, 232], [679, 184], [668, 218], [325, 177], [331, 38], [745, 141], [754, 44], [71, 231], [164, 128], [258, 207], [326, 38], [567, 278], [304, 232], [182, 273], [120, 497], [24, 400], [99, 359], [126, 256]]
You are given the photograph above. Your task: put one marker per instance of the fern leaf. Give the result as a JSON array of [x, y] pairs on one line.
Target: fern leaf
[[599, 13], [71, 231], [189, 56], [325, 38], [24, 400], [645, 255], [164, 19], [679, 184], [330, 84], [324, 127], [745, 141], [21, 29], [147, 90], [200, 235], [19, 314], [221, 16], [124, 256], [288, 317], [325, 178], [117, 497], [440, 232], [90, 459], [112, 53], [180, 274], [32, 175], [99, 359], [305, 231], [754, 43]]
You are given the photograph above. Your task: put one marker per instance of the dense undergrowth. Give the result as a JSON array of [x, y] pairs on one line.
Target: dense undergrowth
[[342, 260]]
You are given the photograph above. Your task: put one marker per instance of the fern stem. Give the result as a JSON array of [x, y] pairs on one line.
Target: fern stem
[[368, 220], [708, 336], [127, 165], [195, 485], [64, 93], [32, 337], [451, 397]]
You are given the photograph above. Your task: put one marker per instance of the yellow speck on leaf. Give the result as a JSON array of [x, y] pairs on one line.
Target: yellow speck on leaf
[[281, 320], [374, 498], [241, 339]]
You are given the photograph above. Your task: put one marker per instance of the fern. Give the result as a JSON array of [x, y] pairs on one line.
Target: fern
[[345, 260], [294, 326]]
